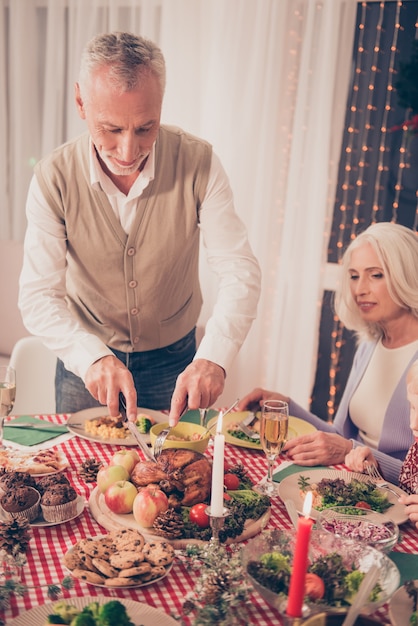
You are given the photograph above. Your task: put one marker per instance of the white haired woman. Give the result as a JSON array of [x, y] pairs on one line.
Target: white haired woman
[[378, 299]]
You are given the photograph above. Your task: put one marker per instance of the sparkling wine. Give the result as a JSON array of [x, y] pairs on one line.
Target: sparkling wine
[[7, 398], [273, 433]]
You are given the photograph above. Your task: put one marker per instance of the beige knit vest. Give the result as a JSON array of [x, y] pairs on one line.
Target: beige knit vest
[[139, 291]]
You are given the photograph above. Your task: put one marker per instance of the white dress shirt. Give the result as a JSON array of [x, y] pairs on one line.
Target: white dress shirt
[[42, 281]]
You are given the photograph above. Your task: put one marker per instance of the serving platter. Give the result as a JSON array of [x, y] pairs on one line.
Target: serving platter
[[139, 613], [289, 489], [297, 427], [135, 585], [33, 463], [401, 606], [40, 522], [112, 521], [76, 425]]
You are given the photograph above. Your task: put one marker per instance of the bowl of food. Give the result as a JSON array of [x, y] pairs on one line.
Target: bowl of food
[[364, 525], [183, 435], [336, 567]]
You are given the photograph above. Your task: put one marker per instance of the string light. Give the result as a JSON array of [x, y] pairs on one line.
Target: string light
[[355, 187]]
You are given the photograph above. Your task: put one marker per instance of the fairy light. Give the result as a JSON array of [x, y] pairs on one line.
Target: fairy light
[[355, 184]]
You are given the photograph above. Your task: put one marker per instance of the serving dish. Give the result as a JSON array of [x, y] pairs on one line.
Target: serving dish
[[140, 614], [76, 422], [113, 521], [400, 607], [34, 463], [194, 436], [40, 522], [289, 489], [130, 582], [367, 526], [297, 427], [354, 556]]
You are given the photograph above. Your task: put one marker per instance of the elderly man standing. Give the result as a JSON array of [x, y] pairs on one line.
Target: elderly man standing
[[110, 275]]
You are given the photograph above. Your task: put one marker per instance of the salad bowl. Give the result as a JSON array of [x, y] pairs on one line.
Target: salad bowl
[[364, 525], [334, 557]]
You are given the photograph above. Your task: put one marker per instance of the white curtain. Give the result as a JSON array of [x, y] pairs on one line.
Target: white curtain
[[264, 80]]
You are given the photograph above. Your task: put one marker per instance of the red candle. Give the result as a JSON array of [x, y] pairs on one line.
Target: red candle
[[300, 560]]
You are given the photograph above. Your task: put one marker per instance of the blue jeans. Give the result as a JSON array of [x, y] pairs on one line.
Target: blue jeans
[[154, 371]]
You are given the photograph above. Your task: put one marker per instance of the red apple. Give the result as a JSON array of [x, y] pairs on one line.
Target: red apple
[[109, 475], [127, 458], [148, 504], [120, 497]]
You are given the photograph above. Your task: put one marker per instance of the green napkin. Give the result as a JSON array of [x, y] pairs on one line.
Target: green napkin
[[194, 416], [407, 565], [32, 436], [294, 469]]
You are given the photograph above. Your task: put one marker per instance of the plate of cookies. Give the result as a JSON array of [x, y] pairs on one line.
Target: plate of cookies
[[121, 559]]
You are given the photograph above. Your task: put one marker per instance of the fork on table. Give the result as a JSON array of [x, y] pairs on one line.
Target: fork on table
[[377, 478]]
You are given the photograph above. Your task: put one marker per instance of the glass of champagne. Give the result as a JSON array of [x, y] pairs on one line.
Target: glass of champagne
[[7, 394], [273, 434]]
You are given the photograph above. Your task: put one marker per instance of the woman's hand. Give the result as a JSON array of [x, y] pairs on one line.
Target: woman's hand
[[318, 448], [357, 456], [253, 401], [411, 507]]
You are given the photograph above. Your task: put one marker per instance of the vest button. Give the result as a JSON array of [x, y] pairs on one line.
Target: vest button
[[132, 284], [134, 311], [135, 340], [131, 251]]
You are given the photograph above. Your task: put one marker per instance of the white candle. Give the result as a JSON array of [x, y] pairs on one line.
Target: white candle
[[217, 496]]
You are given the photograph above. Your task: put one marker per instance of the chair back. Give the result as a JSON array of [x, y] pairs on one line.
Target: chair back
[[35, 377]]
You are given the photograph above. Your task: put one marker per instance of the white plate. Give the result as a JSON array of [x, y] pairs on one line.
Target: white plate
[[135, 586], [400, 607], [297, 427], [289, 489], [88, 414], [22, 461], [140, 614], [40, 522]]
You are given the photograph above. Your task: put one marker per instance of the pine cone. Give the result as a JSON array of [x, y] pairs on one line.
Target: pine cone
[[15, 536], [239, 470], [215, 585], [169, 524], [89, 469]]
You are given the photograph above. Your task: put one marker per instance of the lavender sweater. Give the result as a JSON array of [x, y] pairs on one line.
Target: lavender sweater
[[396, 436]]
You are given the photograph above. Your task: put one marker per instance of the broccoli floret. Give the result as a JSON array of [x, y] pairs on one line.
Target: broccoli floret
[[413, 620], [276, 562], [93, 608], [85, 618], [65, 611], [55, 619], [144, 424], [113, 613], [353, 582]]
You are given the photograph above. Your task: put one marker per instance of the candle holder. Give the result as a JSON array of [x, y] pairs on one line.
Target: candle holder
[[217, 522]]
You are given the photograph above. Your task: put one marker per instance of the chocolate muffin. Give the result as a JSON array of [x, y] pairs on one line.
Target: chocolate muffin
[[22, 501], [59, 502], [44, 483], [12, 480]]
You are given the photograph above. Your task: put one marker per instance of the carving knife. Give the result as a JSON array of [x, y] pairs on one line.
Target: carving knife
[[133, 429]]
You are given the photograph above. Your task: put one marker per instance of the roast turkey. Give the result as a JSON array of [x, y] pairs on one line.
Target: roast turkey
[[184, 476]]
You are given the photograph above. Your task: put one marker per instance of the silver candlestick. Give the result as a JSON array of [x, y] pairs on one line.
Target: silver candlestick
[[217, 523]]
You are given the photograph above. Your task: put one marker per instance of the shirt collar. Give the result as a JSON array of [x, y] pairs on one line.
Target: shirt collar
[[98, 179]]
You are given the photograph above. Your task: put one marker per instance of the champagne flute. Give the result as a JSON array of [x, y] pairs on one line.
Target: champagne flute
[[7, 394], [273, 434]]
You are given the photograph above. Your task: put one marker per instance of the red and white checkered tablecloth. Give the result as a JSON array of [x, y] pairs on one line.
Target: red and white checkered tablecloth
[[48, 544]]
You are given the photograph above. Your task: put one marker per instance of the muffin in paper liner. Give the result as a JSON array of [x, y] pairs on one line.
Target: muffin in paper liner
[[31, 513], [59, 512]]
